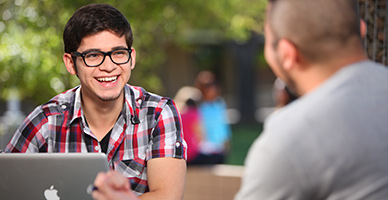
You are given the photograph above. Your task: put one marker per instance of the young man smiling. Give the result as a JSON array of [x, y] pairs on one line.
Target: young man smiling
[[139, 131]]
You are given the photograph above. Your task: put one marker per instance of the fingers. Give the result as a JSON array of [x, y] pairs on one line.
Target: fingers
[[118, 181], [100, 184], [112, 186], [100, 180], [98, 196]]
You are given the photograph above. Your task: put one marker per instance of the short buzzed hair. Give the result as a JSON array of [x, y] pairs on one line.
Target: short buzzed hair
[[316, 27]]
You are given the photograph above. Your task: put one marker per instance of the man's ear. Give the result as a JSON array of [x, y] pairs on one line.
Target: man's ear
[[70, 66], [287, 54], [133, 58], [363, 28]]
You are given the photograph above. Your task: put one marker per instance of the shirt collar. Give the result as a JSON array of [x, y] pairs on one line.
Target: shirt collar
[[77, 109], [133, 101]]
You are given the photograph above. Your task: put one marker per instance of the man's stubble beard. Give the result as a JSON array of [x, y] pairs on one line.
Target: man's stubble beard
[[287, 79]]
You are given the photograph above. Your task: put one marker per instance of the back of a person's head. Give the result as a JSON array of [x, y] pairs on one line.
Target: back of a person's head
[[318, 28], [92, 19]]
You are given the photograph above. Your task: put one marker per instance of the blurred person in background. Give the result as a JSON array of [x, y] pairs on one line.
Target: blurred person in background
[[187, 99], [217, 132], [330, 143], [140, 132]]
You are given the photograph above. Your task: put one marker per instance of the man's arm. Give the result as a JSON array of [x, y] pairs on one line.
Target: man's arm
[[166, 178], [166, 164]]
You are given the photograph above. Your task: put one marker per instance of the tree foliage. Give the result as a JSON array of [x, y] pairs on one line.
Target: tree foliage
[[31, 46]]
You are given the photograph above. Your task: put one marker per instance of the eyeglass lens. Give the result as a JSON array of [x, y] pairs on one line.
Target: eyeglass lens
[[95, 58]]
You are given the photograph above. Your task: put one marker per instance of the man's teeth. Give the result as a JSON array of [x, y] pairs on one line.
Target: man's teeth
[[107, 79]]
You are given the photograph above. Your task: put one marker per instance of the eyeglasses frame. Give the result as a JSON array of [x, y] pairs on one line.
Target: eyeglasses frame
[[109, 53]]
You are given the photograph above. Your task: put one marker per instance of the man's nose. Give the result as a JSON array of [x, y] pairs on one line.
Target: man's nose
[[108, 64]]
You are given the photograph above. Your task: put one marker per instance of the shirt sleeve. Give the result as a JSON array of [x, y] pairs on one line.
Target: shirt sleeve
[[167, 136], [269, 175], [28, 137]]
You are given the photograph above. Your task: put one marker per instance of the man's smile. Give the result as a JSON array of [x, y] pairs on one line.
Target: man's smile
[[107, 79]]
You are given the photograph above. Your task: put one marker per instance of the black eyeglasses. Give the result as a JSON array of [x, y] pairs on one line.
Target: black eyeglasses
[[95, 58]]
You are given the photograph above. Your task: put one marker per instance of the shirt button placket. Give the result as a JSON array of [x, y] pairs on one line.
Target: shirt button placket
[[177, 144], [63, 107], [97, 148]]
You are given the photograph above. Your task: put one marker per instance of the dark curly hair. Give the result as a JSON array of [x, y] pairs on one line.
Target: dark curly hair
[[94, 18]]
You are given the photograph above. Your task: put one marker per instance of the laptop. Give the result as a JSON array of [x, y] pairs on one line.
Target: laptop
[[50, 176]]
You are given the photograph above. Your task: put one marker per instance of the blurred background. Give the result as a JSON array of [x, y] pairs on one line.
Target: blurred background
[[175, 40]]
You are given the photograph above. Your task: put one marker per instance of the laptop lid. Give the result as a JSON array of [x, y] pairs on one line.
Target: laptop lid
[[49, 176]]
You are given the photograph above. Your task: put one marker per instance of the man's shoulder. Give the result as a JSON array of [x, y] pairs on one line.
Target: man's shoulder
[[59, 103], [145, 98], [282, 124], [289, 114]]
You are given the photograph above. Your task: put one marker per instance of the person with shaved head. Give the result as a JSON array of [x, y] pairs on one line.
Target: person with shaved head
[[330, 143]]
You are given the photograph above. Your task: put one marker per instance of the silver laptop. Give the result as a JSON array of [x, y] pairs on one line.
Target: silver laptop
[[50, 176]]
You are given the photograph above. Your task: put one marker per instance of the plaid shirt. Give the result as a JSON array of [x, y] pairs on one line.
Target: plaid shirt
[[149, 126]]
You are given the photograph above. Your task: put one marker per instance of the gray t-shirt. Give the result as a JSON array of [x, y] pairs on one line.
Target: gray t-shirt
[[332, 143]]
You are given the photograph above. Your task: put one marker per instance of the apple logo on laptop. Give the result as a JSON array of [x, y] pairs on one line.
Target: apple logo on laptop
[[51, 194]]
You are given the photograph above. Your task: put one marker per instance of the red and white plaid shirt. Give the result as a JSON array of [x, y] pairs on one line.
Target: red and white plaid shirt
[[149, 126]]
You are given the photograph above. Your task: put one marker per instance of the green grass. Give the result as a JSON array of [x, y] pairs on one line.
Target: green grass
[[243, 137]]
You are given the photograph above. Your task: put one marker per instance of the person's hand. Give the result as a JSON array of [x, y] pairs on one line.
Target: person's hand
[[112, 186]]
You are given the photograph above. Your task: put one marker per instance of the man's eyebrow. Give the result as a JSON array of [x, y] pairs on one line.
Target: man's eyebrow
[[119, 47], [113, 48], [88, 50]]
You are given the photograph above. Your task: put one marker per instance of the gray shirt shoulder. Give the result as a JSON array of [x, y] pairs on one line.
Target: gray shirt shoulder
[[329, 144]]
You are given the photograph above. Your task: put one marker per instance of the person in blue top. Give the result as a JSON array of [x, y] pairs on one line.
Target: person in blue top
[[217, 132]]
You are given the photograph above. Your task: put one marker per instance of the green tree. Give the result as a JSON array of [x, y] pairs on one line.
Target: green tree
[[31, 46]]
